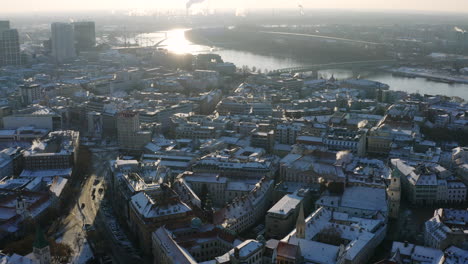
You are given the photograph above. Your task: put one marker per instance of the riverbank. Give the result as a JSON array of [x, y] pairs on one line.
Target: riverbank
[[304, 49], [271, 61], [429, 74]]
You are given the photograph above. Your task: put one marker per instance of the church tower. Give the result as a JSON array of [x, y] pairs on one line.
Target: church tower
[[21, 206], [300, 224], [41, 249], [394, 195]]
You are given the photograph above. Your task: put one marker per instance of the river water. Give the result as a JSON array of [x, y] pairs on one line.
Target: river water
[[176, 42]]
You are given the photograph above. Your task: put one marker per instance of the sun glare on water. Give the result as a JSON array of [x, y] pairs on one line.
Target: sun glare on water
[[176, 42]]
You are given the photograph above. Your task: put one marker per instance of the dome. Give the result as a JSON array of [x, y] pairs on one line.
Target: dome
[[196, 222]]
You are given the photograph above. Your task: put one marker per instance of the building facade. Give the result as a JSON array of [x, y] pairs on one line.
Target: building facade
[[63, 41], [85, 35], [30, 93], [448, 227], [9, 47]]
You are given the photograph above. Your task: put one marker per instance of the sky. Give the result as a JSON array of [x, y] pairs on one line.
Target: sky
[[25, 6]]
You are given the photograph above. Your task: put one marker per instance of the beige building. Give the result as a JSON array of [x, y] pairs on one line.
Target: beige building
[[152, 209], [446, 228], [280, 219], [394, 197], [128, 131], [379, 140]]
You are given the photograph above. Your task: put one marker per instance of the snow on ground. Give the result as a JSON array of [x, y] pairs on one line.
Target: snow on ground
[[84, 255]]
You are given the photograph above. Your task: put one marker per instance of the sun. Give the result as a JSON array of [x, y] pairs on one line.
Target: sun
[[177, 42]]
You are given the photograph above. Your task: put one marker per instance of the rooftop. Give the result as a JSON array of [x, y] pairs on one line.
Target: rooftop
[[288, 203]]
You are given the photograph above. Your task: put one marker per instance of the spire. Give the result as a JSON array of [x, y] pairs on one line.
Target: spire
[[40, 241], [397, 257], [41, 249], [300, 224]]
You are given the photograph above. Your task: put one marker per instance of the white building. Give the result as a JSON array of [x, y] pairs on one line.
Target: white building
[[245, 162], [447, 227], [354, 239], [287, 133], [281, 217], [36, 116], [221, 189], [357, 201], [242, 213], [249, 251], [428, 183], [410, 253]]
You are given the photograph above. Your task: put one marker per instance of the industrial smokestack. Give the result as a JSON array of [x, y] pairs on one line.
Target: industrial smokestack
[[301, 8], [192, 2]]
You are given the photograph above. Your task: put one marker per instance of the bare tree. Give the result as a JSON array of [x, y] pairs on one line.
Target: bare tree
[[330, 235]]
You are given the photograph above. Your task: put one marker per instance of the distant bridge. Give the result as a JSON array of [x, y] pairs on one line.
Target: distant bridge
[[350, 64], [160, 42], [338, 39]]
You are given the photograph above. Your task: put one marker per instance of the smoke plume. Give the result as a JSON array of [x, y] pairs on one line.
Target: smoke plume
[[301, 7], [192, 2], [362, 124], [37, 145], [343, 157]]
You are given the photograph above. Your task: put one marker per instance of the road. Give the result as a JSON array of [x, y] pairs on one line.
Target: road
[[71, 227], [99, 215]]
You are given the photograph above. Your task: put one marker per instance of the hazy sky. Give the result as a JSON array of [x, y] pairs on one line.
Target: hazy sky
[[25, 6]]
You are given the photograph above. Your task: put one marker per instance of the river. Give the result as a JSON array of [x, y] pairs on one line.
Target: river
[[176, 42]]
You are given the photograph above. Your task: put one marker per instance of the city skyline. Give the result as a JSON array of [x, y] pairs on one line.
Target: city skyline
[[88, 5], [229, 132]]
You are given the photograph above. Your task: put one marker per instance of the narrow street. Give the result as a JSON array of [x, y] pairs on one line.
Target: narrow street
[[87, 214]]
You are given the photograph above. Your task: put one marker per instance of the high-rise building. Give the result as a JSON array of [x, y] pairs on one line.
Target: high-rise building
[[128, 124], [85, 35], [63, 41], [30, 93], [94, 124], [4, 25], [9, 45], [128, 131]]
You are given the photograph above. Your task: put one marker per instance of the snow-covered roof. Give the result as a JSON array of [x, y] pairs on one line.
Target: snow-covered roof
[[455, 255], [150, 208], [178, 254], [359, 232], [365, 198], [286, 204], [46, 173], [17, 259], [418, 254], [316, 252], [206, 177], [248, 247]]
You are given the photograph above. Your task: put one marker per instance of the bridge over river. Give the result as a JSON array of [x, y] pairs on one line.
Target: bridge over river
[[336, 65]]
